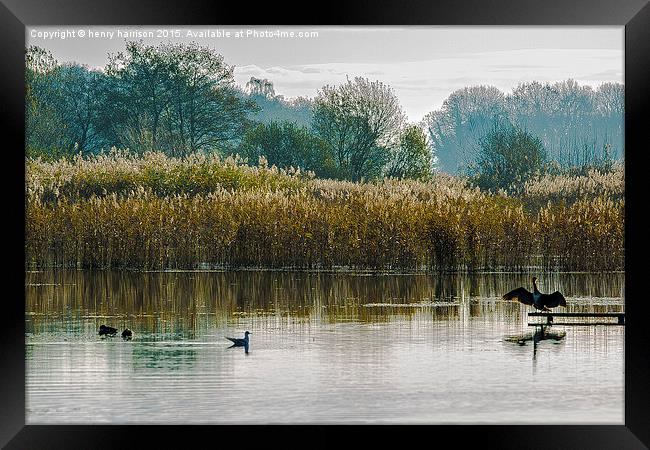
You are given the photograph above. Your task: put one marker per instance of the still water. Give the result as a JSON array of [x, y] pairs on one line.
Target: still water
[[324, 348]]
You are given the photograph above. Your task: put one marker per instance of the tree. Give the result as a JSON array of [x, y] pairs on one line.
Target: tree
[[609, 99], [263, 87], [78, 102], [610, 107], [271, 107], [508, 156], [578, 125], [413, 158], [140, 95], [179, 98], [361, 121], [45, 131], [206, 111], [456, 129], [285, 144]]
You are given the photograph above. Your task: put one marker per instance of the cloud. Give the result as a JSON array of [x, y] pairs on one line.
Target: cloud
[[310, 70]]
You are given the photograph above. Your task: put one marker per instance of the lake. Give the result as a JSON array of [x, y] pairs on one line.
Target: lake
[[324, 348]]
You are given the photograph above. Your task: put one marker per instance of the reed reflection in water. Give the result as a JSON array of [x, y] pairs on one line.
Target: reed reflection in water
[[325, 348]]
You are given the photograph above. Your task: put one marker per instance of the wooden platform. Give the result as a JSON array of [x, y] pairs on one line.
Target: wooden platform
[[620, 316]]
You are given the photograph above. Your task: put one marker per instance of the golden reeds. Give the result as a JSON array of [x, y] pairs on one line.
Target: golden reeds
[[156, 212]]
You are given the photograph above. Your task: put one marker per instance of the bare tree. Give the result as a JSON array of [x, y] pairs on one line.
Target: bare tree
[[361, 120], [263, 87], [465, 117], [577, 124]]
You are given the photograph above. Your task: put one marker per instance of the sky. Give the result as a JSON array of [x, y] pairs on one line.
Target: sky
[[422, 64]]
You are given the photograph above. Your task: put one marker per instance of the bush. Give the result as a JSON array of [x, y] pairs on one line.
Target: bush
[[286, 144], [507, 158]]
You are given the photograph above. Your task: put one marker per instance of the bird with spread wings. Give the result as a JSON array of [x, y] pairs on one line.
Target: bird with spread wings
[[540, 301]]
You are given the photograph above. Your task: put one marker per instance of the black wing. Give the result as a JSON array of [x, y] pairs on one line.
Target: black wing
[[103, 329], [521, 294], [554, 299]]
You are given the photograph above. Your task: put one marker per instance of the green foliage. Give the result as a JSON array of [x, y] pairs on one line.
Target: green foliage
[[456, 129], [78, 100], [507, 158], [46, 132], [181, 99], [413, 158], [178, 98], [285, 144], [277, 109]]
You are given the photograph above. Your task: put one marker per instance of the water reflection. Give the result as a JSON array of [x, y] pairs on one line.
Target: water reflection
[[168, 356], [189, 302], [541, 333], [326, 347]]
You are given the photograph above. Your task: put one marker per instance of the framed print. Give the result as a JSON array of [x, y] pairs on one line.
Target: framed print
[[380, 215]]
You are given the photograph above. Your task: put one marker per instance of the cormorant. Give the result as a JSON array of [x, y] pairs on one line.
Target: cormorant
[[540, 301]]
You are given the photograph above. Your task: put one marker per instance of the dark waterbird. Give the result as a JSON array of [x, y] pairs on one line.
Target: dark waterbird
[[127, 334], [107, 331], [540, 301], [239, 342]]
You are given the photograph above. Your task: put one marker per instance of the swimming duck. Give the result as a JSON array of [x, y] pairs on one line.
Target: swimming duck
[[107, 331], [127, 334]]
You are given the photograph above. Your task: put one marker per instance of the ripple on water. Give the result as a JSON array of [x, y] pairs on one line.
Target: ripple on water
[[325, 349]]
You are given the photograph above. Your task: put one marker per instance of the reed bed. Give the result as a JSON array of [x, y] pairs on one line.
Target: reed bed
[[155, 212], [558, 188], [120, 172]]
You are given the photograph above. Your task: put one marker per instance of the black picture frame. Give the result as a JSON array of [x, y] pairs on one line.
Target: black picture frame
[[15, 15]]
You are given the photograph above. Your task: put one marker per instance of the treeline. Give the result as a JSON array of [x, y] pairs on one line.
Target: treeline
[[175, 98], [275, 108], [181, 99], [577, 125]]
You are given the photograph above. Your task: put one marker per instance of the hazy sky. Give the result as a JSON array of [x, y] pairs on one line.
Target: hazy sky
[[422, 64]]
